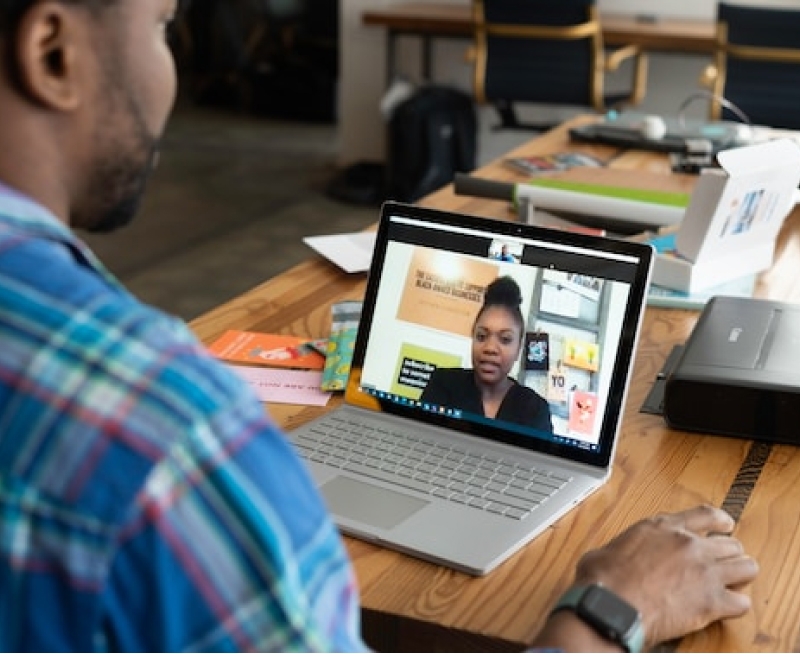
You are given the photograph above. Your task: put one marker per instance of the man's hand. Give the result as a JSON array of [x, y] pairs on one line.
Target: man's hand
[[682, 571]]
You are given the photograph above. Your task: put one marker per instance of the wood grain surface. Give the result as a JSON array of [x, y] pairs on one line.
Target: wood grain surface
[[410, 605]]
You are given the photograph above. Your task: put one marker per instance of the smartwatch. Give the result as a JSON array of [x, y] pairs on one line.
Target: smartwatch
[[609, 615]]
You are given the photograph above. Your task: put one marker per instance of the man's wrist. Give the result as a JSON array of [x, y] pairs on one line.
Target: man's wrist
[[609, 615], [564, 631]]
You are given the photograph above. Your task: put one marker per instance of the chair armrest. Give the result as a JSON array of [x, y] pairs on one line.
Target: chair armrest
[[471, 54], [708, 78], [713, 83], [614, 59], [639, 82]]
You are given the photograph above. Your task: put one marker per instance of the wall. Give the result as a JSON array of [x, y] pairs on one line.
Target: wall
[[695, 9], [673, 77], [363, 79]]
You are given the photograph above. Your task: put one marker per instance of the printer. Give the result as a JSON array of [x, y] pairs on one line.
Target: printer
[[739, 372]]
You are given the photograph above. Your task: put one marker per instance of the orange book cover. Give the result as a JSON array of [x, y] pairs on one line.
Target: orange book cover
[[277, 350]]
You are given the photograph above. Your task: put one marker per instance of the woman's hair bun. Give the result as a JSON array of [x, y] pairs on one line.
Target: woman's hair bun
[[504, 291]]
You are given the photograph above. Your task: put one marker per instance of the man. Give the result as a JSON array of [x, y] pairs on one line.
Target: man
[[505, 255], [146, 500]]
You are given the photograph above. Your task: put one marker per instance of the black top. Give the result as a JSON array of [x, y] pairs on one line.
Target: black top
[[456, 388]]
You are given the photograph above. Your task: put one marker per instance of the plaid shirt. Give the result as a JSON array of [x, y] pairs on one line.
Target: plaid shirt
[[146, 500]]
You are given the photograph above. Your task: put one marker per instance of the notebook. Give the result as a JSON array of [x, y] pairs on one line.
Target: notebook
[[440, 480]]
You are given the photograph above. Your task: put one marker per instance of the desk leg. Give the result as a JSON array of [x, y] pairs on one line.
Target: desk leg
[[391, 43], [427, 46], [426, 43]]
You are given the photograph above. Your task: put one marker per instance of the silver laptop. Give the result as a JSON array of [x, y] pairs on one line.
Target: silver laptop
[[430, 474]]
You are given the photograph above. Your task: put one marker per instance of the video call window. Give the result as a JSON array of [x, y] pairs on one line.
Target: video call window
[[425, 321]]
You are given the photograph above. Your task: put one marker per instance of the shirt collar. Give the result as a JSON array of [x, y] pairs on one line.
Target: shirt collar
[[23, 214]]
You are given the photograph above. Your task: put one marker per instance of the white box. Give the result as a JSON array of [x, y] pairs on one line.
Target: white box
[[734, 215]]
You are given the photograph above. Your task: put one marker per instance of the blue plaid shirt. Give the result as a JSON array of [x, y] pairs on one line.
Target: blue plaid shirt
[[146, 500]]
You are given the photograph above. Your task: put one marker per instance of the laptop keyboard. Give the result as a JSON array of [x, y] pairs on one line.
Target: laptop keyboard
[[487, 482]]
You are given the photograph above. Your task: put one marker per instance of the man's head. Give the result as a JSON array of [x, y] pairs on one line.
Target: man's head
[[86, 87]]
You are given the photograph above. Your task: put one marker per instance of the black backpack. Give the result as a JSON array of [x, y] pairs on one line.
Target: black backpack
[[432, 135]]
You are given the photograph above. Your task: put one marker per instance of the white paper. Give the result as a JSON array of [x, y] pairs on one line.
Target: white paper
[[285, 386], [351, 252]]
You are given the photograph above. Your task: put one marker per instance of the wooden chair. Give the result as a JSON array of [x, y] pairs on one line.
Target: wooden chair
[[547, 51], [756, 65]]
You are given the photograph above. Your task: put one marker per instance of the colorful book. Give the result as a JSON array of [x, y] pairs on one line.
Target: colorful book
[[546, 163], [345, 317], [274, 350]]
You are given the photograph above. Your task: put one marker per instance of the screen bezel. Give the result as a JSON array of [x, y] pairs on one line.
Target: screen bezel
[[641, 257]]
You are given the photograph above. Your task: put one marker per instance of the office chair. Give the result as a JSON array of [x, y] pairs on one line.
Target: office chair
[[546, 51], [756, 65]]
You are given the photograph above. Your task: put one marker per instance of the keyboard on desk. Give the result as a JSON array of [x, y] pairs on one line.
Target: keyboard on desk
[[492, 483]]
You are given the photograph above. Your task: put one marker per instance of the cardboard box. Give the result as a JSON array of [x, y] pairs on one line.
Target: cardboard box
[[733, 218]]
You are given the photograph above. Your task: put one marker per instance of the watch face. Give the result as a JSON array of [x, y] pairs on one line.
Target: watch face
[[608, 612]]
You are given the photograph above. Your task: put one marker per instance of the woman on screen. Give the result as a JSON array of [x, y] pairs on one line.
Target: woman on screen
[[486, 389]]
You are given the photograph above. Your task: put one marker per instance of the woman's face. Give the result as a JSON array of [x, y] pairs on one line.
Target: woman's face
[[496, 340]]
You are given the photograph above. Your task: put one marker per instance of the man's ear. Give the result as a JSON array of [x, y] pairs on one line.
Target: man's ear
[[50, 49]]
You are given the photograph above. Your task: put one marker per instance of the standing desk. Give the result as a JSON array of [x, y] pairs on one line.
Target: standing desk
[[430, 21], [412, 605]]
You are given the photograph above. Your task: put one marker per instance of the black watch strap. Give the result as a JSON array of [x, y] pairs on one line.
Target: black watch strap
[[607, 613]]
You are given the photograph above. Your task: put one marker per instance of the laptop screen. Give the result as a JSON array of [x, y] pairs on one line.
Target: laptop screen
[[500, 330]]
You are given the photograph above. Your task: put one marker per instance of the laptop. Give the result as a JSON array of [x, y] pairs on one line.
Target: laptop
[[446, 483], [683, 136]]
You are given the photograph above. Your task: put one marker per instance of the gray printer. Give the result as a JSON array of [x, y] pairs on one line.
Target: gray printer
[[739, 372]]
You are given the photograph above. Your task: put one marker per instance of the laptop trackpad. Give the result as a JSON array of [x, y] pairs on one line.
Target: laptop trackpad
[[358, 500]]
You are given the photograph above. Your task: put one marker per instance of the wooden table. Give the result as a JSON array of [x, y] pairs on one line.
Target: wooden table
[[430, 21], [413, 605]]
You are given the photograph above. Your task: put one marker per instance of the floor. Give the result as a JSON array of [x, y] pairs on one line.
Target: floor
[[227, 208]]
